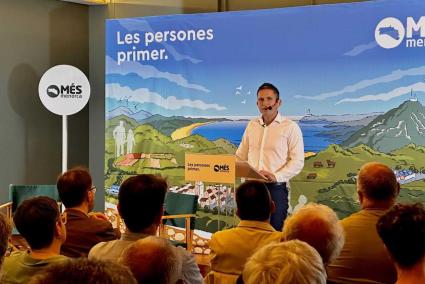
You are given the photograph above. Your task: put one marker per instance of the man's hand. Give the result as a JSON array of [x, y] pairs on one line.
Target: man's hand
[[270, 177], [98, 216]]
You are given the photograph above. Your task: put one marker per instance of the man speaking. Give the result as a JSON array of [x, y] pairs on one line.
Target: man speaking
[[274, 146]]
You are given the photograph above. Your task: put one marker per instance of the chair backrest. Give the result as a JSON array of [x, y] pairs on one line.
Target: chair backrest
[[179, 203], [19, 193]]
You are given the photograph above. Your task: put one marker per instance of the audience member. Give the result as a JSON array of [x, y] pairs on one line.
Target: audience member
[[84, 229], [231, 248], [153, 260], [402, 229], [39, 221], [317, 225], [5, 232], [363, 257], [84, 271], [290, 262], [140, 205]]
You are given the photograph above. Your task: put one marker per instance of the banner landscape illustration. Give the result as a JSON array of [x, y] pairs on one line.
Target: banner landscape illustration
[[351, 75]]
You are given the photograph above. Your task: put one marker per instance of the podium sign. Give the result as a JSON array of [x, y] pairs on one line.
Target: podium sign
[[210, 168]]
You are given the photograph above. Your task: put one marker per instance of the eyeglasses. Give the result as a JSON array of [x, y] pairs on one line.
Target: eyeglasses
[[63, 218], [93, 188]]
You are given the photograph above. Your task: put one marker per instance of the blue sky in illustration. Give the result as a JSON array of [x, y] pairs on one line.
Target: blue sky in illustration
[[322, 58]]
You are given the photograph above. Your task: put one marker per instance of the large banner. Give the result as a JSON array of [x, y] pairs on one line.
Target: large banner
[[351, 75]]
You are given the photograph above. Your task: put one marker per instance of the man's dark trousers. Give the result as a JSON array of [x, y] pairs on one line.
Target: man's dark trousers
[[279, 194]]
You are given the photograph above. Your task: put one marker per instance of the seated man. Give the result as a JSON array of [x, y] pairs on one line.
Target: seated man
[[5, 232], [231, 248], [317, 225], [402, 229], [290, 262], [363, 258], [39, 221], [153, 260], [84, 271], [84, 230], [140, 205]]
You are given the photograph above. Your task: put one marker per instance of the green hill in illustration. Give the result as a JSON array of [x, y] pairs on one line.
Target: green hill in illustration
[[393, 130], [112, 123], [168, 125], [161, 148], [330, 176], [226, 145]]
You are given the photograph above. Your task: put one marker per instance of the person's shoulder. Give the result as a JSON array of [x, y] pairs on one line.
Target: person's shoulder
[[354, 218], [14, 257], [184, 254], [289, 122], [57, 258], [224, 233], [99, 225], [101, 247]]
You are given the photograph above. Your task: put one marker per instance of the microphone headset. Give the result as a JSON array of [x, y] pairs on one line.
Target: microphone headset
[[272, 106]]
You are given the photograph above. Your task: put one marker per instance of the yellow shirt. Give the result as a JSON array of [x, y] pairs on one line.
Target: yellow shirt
[[363, 258], [231, 248]]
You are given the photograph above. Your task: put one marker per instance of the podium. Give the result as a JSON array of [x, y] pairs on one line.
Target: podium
[[218, 169]]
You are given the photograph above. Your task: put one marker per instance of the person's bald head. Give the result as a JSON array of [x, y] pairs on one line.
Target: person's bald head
[[377, 182], [153, 260], [317, 225]]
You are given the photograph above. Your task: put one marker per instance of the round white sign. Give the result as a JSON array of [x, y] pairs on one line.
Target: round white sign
[[64, 89]]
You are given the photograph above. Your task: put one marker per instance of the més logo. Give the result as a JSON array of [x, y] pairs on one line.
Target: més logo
[[221, 168], [66, 91], [53, 91], [391, 32]]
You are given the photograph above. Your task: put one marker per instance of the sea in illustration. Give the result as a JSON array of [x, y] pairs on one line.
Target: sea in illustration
[[314, 133], [335, 146], [355, 100]]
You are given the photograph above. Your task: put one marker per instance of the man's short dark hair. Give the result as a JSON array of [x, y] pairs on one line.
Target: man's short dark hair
[[141, 199], [253, 201], [5, 231], [36, 220], [377, 181], [269, 86], [73, 186], [402, 229], [83, 270]]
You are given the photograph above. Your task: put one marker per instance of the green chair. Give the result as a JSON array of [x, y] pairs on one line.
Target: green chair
[[20, 193], [180, 211]]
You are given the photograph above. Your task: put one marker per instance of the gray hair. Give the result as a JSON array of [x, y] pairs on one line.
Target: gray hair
[[153, 260], [317, 225], [291, 262], [83, 270]]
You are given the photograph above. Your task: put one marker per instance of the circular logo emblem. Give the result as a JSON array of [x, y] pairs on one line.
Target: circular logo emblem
[[53, 91], [389, 33], [216, 168], [64, 89]]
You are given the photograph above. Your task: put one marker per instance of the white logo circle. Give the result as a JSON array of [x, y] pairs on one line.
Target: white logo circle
[[389, 33], [64, 89]]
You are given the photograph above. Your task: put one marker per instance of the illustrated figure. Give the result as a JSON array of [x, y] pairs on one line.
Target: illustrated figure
[[119, 137], [302, 200], [130, 141]]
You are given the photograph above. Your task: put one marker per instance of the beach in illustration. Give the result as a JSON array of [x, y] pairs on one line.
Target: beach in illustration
[[354, 100]]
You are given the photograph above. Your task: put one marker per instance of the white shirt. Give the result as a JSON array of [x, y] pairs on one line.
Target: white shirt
[[277, 148]]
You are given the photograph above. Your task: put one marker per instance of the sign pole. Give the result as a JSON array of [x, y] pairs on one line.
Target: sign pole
[[64, 143], [64, 90]]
